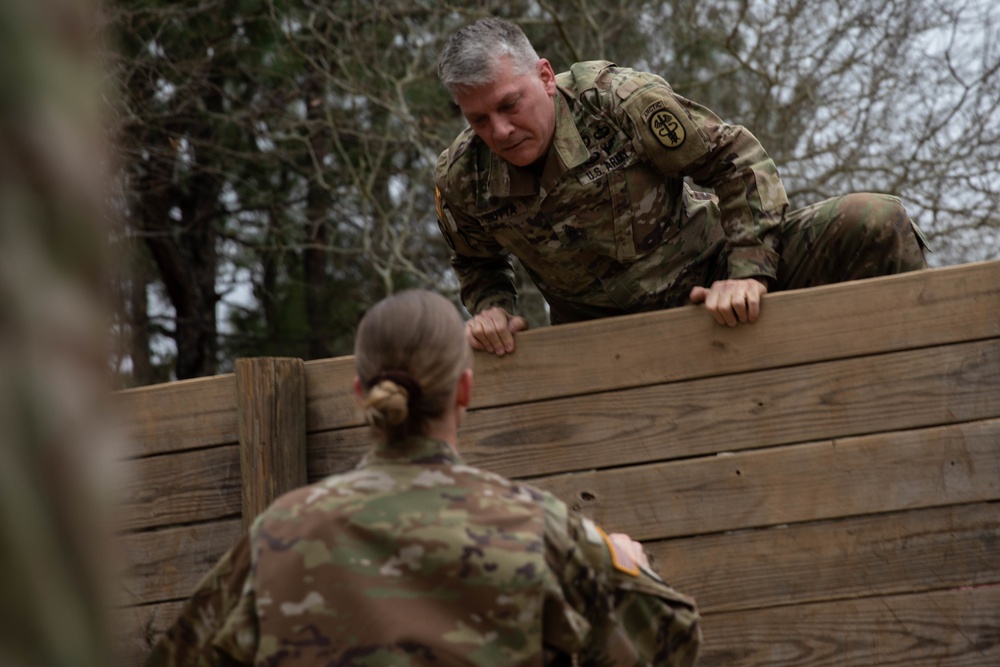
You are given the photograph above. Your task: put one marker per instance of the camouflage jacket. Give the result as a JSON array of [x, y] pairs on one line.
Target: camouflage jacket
[[414, 558], [609, 226]]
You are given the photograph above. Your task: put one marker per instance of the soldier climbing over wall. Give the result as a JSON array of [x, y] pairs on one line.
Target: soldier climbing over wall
[[580, 176]]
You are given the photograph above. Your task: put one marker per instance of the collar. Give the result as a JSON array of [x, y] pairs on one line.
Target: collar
[[566, 152], [415, 449]]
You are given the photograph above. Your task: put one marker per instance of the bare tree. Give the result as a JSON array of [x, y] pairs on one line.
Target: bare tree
[[278, 155], [897, 96]]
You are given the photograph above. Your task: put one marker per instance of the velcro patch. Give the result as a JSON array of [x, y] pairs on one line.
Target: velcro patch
[[620, 559], [664, 125]]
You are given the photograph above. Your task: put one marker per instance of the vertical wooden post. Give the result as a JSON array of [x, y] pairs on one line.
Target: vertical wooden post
[[271, 408]]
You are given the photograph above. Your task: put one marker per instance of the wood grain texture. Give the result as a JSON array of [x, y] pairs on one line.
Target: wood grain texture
[[882, 473], [780, 406], [333, 452], [178, 415], [271, 396], [820, 481], [164, 565], [187, 487], [885, 554], [958, 628], [331, 403], [830, 322], [827, 400], [803, 326], [138, 629]]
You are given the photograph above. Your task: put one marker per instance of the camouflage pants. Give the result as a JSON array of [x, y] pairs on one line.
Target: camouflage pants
[[856, 236], [852, 237]]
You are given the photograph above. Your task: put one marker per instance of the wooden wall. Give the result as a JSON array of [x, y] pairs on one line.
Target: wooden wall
[[825, 482]]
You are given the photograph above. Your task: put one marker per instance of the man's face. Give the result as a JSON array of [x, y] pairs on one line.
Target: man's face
[[515, 114]]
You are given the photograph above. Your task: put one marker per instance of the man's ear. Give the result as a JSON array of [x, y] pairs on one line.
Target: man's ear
[[547, 76], [463, 395], [358, 391]]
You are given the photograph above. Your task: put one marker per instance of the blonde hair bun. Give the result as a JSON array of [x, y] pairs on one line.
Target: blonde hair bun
[[387, 404]]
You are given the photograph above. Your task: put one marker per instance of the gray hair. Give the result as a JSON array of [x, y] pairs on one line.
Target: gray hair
[[471, 54]]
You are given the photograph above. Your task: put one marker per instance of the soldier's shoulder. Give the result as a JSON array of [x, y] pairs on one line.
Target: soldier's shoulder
[[615, 82], [291, 503], [457, 164]]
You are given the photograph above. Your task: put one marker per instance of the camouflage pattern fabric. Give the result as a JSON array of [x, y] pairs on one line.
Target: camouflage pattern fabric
[[852, 237], [414, 558], [609, 226]]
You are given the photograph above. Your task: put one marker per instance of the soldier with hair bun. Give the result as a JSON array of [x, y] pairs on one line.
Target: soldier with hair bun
[[415, 558], [581, 177]]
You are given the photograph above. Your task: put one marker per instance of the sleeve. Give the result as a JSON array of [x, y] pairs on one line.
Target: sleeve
[[217, 626], [681, 138], [484, 269], [618, 613]]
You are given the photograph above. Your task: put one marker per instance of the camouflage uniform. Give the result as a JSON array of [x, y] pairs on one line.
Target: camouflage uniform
[[609, 226], [414, 558]]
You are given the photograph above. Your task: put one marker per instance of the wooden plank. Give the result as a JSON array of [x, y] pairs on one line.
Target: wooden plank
[[802, 326], [196, 486], [900, 552], [827, 480], [330, 400], [270, 395], [333, 452], [821, 323], [828, 400], [798, 327], [178, 415], [138, 628], [958, 628], [167, 564], [917, 388]]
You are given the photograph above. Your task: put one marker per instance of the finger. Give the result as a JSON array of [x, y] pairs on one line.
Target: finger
[[723, 301], [506, 332], [753, 307], [504, 341], [495, 329], [698, 294], [740, 306], [711, 298], [473, 341], [478, 337], [729, 312]]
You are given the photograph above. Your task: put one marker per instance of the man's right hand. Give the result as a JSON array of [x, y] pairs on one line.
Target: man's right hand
[[493, 330]]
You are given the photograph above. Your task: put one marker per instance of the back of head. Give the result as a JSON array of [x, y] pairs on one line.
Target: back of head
[[410, 350], [471, 54]]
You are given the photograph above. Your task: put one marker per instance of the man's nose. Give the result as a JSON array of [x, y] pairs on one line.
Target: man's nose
[[502, 127]]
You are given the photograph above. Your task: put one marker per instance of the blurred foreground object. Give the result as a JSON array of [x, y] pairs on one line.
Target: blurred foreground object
[[53, 378]]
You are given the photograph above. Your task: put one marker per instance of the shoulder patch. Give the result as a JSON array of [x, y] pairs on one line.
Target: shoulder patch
[[627, 88], [619, 558], [664, 125], [445, 217]]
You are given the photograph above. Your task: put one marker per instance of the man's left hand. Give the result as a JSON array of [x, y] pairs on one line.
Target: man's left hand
[[732, 301]]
